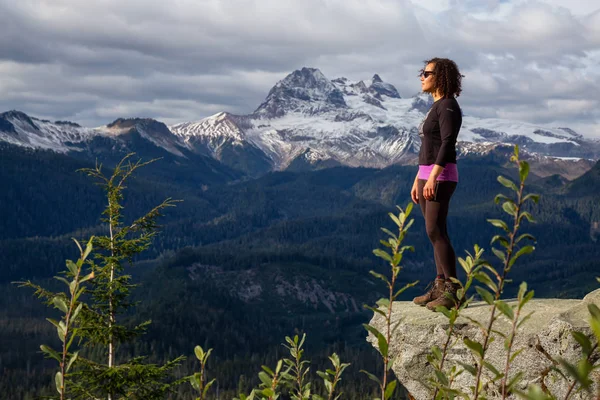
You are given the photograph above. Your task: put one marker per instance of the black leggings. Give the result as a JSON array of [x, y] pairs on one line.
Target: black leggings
[[435, 212]]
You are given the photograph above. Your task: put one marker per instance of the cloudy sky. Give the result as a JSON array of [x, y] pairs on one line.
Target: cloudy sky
[[92, 62]]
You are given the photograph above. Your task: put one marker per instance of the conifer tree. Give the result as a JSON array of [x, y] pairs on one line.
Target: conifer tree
[[112, 375]]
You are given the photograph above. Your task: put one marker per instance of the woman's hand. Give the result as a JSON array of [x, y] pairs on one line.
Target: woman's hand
[[429, 190], [414, 193]]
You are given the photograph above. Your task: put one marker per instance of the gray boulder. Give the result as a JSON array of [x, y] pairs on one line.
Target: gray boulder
[[547, 334]]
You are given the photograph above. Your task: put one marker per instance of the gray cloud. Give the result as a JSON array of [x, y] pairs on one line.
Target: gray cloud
[[92, 62]]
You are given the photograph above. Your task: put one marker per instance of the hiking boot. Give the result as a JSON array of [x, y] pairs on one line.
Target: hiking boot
[[436, 288], [448, 298]]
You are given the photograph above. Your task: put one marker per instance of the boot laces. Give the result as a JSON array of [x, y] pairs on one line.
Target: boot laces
[[431, 287]]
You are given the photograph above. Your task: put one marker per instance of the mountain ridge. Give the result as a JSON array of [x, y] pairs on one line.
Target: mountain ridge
[[305, 115]]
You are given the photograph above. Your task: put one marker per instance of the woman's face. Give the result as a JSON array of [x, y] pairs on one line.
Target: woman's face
[[427, 79]]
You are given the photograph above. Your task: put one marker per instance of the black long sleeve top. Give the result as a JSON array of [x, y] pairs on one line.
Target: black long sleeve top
[[439, 131]]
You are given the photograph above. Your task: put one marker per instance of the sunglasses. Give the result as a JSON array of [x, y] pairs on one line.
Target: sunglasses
[[426, 74]]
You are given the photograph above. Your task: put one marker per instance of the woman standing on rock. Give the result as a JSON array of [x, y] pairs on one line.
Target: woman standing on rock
[[437, 177]]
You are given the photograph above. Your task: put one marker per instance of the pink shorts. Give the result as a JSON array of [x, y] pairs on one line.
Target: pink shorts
[[449, 173]]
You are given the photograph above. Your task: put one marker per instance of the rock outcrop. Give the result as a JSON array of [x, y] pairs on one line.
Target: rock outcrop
[[547, 334]]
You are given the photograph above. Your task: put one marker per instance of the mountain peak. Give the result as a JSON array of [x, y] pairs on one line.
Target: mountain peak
[[309, 78], [378, 87], [306, 90], [19, 117], [371, 90], [222, 126], [124, 123], [220, 116], [141, 124], [146, 128], [14, 114]]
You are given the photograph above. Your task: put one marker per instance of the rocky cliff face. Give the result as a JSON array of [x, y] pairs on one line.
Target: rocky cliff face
[[547, 333], [270, 286], [306, 91]]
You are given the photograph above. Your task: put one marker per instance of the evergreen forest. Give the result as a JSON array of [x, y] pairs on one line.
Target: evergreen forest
[[238, 264]]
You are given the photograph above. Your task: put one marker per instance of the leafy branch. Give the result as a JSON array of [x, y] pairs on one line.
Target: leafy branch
[[68, 303], [393, 257], [297, 368], [509, 240], [437, 358], [198, 380], [331, 377]]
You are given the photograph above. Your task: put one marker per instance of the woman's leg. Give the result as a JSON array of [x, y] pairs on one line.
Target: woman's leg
[[436, 213], [424, 205]]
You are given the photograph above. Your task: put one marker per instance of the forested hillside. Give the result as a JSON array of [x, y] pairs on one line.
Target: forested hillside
[[240, 265]]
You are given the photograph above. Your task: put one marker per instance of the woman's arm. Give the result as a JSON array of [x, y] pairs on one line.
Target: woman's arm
[[429, 188], [435, 172], [450, 120], [414, 192]]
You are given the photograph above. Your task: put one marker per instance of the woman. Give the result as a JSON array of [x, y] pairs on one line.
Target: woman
[[437, 177]]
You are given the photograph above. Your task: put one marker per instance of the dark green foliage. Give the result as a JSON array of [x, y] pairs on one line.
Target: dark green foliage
[[508, 246], [245, 158], [297, 370], [319, 225], [331, 378], [392, 253], [41, 195], [93, 321], [198, 380], [110, 289], [67, 327], [586, 185], [290, 377]]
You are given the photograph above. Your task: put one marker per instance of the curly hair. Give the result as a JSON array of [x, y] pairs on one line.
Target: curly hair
[[447, 76]]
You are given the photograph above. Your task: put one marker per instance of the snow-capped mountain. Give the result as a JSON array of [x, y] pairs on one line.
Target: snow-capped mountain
[[20, 129], [148, 138], [151, 130], [223, 137], [62, 136], [306, 120], [309, 117], [305, 91]]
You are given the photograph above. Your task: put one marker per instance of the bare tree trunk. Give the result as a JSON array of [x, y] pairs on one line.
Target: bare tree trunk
[[111, 317]]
